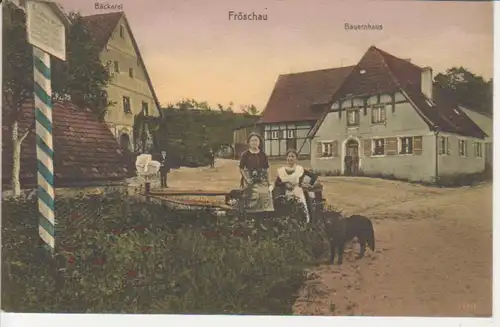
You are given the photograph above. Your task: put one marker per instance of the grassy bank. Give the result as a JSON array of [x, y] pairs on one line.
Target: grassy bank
[[119, 255]]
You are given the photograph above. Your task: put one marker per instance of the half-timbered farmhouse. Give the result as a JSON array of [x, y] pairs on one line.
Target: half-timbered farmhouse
[[389, 118], [295, 104]]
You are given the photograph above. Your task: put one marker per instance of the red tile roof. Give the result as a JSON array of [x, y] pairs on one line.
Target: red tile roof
[[85, 151], [446, 115], [380, 72], [301, 96], [102, 26]]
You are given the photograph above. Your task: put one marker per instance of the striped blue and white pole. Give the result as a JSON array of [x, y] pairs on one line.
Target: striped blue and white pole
[[44, 146]]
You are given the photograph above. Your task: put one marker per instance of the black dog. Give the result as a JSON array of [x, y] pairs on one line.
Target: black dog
[[340, 230]]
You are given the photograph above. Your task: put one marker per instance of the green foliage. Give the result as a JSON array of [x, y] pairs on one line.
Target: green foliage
[[120, 255], [250, 109], [469, 89], [17, 63], [82, 77], [189, 129]]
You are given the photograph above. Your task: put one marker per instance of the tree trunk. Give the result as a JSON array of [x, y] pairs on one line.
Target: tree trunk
[[16, 160]]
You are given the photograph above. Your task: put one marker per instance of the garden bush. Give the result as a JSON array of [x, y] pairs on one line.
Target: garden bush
[[123, 255]]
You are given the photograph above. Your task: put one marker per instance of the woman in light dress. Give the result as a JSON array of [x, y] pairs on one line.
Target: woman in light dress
[[291, 181], [255, 178]]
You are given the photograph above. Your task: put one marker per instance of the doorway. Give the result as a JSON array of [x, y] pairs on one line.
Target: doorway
[[125, 142], [351, 159]]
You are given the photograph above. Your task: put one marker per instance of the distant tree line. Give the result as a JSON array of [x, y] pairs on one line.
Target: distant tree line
[[188, 129], [468, 89]]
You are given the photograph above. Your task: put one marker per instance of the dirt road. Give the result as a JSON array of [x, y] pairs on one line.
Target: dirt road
[[433, 252]]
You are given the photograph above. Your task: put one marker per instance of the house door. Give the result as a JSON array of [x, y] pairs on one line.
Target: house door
[[351, 159], [125, 142]]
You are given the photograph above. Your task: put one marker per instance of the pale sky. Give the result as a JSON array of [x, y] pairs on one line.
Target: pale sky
[[193, 50]]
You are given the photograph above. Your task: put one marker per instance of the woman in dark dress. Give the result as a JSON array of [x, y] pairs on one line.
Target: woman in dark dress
[[254, 177], [294, 181]]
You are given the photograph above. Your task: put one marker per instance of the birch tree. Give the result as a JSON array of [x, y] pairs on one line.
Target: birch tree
[[17, 84], [82, 78]]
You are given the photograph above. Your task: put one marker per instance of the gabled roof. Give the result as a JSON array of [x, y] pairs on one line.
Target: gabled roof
[[302, 96], [101, 28], [85, 150], [380, 72]]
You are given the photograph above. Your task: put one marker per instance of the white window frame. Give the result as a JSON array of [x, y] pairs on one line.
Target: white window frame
[[357, 118], [379, 109], [445, 147], [126, 100], [324, 149], [478, 146], [290, 134], [122, 31], [400, 145], [464, 153], [374, 142], [116, 66], [275, 135]]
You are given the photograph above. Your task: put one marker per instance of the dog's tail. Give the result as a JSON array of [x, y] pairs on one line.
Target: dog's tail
[[371, 238]]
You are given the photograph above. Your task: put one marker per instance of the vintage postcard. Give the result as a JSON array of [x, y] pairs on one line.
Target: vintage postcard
[[324, 158]]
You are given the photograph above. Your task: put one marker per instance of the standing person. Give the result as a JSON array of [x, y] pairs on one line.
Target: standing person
[[254, 177], [290, 181], [164, 169], [211, 155]]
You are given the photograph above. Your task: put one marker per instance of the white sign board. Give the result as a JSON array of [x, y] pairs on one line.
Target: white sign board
[[45, 29]]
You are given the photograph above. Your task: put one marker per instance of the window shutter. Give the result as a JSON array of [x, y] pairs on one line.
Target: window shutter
[[393, 102], [465, 148], [391, 145], [440, 146], [367, 147], [335, 148], [417, 145], [448, 151], [374, 114], [382, 113], [365, 107], [319, 150]]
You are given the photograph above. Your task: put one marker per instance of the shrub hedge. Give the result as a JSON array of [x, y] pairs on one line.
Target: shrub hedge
[[123, 255]]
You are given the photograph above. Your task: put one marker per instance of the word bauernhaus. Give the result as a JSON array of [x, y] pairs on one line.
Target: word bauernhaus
[[363, 27]]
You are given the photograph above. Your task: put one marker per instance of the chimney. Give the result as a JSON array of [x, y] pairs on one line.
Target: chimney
[[426, 82]]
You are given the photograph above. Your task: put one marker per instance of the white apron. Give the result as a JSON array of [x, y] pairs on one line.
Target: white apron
[[294, 179]]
